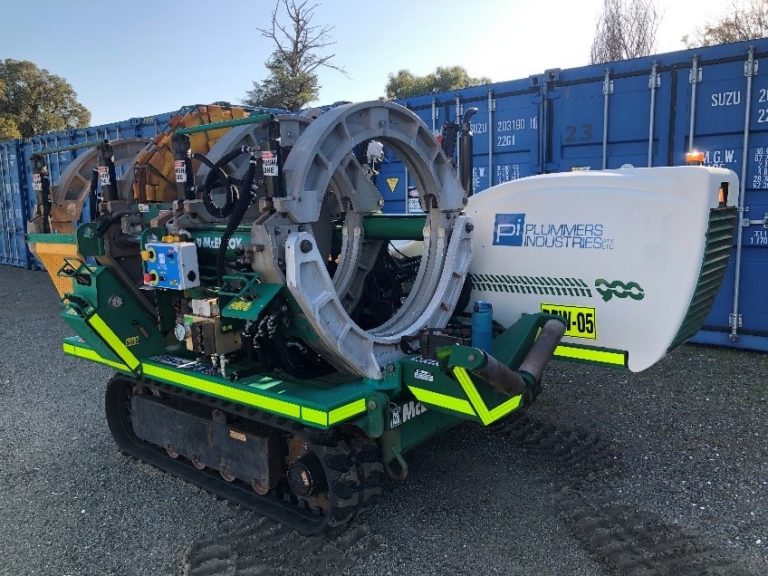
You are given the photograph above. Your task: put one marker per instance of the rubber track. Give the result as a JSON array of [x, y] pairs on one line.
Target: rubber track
[[623, 540], [355, 476]]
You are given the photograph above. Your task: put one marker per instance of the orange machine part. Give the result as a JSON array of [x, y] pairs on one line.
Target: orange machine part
[[154, 177]]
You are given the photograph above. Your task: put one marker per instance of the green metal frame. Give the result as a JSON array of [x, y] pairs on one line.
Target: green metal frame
[[225, 124], [394, 227], [320, 403], [51, 239], [250, 300]]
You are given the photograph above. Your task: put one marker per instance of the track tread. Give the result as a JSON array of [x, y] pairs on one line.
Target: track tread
[[622, 539], [266, 548], [353, 491]]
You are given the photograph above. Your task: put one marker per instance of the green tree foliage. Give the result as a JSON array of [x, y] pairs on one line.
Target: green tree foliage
[[283, 88], [292, 80], [404, 84], [8, 129], [741, 21], [37, 101]]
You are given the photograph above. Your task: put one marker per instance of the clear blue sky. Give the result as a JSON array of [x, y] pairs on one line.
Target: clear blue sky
[[141, 57]]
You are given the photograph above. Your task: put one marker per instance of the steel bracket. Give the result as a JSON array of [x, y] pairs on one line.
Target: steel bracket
[[696, 73], [751, 65], [759, 222]]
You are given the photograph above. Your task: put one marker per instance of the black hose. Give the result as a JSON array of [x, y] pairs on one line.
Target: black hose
[[45, 181], [106, 222], [243, 203], [214, 178], [93, 200], [466, 159], [189, 185]]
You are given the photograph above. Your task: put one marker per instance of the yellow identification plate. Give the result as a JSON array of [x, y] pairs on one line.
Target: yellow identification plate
[[580, 321]]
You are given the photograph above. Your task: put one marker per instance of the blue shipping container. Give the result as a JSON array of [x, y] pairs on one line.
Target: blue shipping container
[[643, 112], [650, 112], [14, 207], [17, 197]]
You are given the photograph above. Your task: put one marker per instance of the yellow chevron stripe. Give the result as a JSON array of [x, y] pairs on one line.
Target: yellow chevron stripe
[[486, 416], [114, 342], [442, 400]]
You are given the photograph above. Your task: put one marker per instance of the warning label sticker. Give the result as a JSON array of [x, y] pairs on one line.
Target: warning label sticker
[[414, 206], [104, 176], [392, 183], [180, 167], [269, 162]]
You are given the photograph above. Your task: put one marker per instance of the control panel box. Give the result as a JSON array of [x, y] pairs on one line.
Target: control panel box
[[171, 265]]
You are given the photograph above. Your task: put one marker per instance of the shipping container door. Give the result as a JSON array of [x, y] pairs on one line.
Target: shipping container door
[[13, 208], [574, 123], [723, 95], [505, 127], [513, 135], [607, 117]]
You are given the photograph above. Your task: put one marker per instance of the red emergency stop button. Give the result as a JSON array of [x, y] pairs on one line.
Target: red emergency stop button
[[150, 278]]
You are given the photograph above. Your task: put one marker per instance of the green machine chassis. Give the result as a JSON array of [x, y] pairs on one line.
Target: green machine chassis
[[360, 427]]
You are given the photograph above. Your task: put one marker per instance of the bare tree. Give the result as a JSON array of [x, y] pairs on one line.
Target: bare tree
[[292, 81], [743, 21], [625, 29]]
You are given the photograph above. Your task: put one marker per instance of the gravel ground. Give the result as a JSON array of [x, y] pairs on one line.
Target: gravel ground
[[609, 473]]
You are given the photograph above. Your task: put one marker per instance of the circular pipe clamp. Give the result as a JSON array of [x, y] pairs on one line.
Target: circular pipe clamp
[[349, 191], [318, 154]]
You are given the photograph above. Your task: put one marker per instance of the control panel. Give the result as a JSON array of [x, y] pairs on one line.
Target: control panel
[[171, 265]]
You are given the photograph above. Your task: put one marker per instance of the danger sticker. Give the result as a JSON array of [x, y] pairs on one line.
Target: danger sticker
[[180, 167], [269, 163], [104, 176]]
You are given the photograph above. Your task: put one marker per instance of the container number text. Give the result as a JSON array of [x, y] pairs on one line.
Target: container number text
[[582, 133]]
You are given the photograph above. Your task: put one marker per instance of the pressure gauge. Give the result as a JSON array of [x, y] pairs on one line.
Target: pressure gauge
[[181, 331]]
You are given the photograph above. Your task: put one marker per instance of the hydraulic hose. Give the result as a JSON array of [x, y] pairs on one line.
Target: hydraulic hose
[[241, 207], [93, 200], [466, 160], [189, 185], [214, 175]]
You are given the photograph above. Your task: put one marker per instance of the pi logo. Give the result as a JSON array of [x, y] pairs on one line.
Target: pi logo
[[508, 230], [619, 289]]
